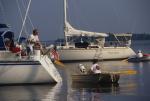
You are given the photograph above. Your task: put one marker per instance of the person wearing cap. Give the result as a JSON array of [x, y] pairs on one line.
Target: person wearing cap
[[95, 68]]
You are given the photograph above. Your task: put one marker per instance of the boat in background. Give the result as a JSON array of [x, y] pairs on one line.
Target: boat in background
[[84, 45], [146, 57]]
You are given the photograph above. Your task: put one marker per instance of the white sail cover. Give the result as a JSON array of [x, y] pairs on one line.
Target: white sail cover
[[123, 34], [70, 31]]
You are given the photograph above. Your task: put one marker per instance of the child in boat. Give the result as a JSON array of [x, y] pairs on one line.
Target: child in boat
[[95, 68]]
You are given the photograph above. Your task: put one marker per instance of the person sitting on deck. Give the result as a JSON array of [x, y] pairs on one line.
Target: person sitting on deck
[[95, 68], [9, 44], [14, 48]]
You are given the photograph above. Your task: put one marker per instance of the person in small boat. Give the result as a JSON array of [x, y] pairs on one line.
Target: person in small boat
[[33, 42], [95, 68], [139, 54]]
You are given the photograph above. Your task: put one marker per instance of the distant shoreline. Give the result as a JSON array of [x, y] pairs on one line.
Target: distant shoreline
[[141, 37]]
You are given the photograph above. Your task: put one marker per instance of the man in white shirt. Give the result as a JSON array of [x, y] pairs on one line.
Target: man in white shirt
[[33, 40], [95, 67]]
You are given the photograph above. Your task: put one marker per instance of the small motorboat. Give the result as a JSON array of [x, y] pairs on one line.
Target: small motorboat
[[146, 57], [100, 78]]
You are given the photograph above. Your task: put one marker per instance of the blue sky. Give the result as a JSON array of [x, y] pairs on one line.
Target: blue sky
[[92, 15]]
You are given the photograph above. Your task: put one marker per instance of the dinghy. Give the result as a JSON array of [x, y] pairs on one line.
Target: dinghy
[[100, 78]]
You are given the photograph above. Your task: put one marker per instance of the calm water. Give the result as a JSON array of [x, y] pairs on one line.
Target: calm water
[[130, 88]]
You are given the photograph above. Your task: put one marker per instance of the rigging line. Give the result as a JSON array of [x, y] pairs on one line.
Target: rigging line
[[83, 18], [28, 7], [115, 11], [69, 16], [133, 27], [28, 15], [117, 16], [117, 39], [21, 15]]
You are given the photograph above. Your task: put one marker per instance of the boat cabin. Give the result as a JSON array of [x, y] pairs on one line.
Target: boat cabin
[[86, 41]]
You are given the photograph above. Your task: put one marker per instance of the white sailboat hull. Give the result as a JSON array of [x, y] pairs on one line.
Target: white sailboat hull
[[27, 71], [107, 53], [23, 73]]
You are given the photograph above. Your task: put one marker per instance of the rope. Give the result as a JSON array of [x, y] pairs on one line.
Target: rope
[[28, 15], [28, 7], [21, 17]]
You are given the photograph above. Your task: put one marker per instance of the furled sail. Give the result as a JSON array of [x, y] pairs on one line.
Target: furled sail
[[70, 31]]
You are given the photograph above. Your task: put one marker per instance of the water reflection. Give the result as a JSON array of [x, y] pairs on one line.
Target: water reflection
[[91, 92], [143, 80], [53, 94], [44, 92], [128, 86], [101, 88]]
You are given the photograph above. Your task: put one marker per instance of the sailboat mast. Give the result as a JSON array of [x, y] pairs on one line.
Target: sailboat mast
[[65, 21], [65, 11]]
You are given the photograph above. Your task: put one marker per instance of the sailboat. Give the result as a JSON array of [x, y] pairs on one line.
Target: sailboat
[[84, 45], [16, 68]]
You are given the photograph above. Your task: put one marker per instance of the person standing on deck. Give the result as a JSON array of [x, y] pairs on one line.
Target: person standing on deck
[[95, 68], [33, 41]]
